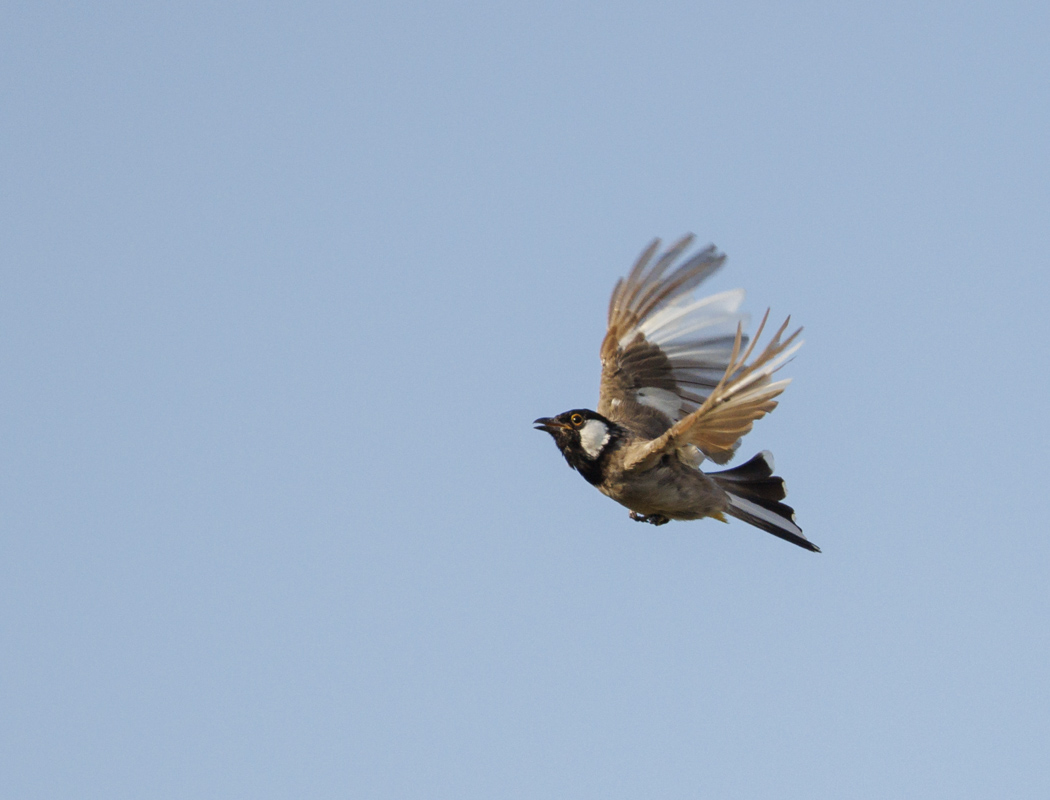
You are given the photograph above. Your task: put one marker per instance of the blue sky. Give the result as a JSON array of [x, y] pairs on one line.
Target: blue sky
[[284, 286]]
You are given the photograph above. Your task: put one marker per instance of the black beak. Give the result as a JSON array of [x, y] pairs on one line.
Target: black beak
[[548, 424]]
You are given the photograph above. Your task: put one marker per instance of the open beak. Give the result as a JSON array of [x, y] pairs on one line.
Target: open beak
[[549, 425]]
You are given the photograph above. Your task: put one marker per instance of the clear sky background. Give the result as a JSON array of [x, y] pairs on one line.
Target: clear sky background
[[284, 285]]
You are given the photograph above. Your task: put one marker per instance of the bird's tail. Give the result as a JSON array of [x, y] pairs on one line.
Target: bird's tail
[[754, 496]]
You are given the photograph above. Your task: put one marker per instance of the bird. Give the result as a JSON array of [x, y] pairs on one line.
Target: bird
[[681, 383]]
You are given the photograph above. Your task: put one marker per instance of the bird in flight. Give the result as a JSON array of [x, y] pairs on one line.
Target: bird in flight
[[681, 383]]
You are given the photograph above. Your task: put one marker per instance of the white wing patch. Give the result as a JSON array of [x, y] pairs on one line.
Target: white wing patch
[[593, 437], [716, 315], [663, 400], [686, 319]]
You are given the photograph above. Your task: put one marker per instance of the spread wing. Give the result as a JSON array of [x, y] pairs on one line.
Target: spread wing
[[744, 395], [665, 351]]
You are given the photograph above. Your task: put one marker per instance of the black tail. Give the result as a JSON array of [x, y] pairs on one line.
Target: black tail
[[754, 496]]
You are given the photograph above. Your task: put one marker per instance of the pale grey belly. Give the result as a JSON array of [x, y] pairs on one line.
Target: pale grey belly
[[676, 491]]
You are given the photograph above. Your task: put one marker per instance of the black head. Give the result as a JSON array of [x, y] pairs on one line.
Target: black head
[[584, 438]]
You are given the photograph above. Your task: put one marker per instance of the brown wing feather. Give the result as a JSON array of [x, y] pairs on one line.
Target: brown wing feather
[[631, 362], [744, 394]]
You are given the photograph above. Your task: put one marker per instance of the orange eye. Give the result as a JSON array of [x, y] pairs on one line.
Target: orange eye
[[576, 419]]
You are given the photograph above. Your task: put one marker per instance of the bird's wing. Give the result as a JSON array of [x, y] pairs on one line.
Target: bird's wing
[[744, 395], [664, 350]]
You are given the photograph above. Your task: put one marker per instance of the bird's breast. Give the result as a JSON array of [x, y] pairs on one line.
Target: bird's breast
[[669, 487]]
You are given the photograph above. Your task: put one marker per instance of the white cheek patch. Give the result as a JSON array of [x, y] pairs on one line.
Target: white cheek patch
[[593, 437]]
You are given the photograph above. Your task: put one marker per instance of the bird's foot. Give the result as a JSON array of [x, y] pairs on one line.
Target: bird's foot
[[652, 519]]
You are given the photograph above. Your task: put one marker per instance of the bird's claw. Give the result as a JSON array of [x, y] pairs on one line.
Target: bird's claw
[[652, 519]]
